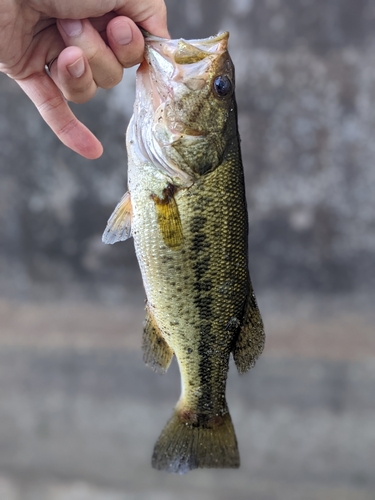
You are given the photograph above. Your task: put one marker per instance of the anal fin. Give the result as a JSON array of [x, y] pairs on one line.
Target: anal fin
[[156, 352], [251, 338], [119, 224]]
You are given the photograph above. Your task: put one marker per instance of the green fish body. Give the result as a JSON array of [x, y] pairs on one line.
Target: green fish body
[[186, 210]]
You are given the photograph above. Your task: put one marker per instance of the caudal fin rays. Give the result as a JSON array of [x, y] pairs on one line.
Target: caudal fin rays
[[184, 446]]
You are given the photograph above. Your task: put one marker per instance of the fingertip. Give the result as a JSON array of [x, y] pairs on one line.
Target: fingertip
[[103, 68], [121, 31], [76, 136], [85, 143], [57, 114], [156, 24], [77, 68], [126, 41], [151, 15], [92, 151], [73, 75], [69, 57], [153, 27]]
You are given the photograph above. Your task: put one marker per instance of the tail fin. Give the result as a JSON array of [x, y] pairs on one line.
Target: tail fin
[[205, 443]]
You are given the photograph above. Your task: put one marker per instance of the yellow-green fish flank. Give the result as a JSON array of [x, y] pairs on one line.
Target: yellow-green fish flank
[[186, 210]]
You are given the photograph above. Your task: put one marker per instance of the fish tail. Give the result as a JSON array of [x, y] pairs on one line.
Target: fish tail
[[190, 441]]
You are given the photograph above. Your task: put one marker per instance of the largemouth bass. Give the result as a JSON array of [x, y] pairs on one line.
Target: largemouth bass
[[186, 210]]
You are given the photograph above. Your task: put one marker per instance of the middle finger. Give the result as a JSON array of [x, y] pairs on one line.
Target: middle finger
[[106, 69]]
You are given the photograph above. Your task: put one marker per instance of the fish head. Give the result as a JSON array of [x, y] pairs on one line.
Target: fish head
[[188, 89]]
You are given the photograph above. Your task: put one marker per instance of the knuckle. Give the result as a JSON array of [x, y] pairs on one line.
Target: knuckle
[[129, 63], [111, 80], [131, 54], [131, 57], [50, 104], [79, 95], [94, 54], [67, 127]]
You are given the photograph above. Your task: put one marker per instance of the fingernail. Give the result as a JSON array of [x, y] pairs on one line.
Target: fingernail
[[72, 27], [122, 33], [77, 68]]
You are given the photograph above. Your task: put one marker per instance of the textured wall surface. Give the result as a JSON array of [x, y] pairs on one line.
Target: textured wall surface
[[305, 90], [79, 412]]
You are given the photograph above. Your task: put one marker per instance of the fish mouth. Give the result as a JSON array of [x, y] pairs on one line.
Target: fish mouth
[[181, 60], [171, 70], [212, 44], [171, 61]]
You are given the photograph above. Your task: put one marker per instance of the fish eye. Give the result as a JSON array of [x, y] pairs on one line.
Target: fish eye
[[222, 86]]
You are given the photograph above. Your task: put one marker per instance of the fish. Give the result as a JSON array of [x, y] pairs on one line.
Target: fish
[[186, 210]]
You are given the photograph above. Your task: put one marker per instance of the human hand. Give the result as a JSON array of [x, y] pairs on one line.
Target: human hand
[[85, 44]]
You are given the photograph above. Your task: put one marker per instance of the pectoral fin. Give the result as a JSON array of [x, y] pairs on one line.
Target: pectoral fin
[[156, 352], [250, 341], [119, 224], [168, 218]]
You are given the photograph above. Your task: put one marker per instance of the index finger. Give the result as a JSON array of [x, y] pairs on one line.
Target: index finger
[[55, 111]]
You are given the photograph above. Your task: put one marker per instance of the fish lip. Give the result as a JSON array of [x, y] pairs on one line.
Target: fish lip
[[169, 47], [168, 64], [174, 59], [211, 40]]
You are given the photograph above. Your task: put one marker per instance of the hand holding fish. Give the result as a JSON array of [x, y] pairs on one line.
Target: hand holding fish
[[85, 45]]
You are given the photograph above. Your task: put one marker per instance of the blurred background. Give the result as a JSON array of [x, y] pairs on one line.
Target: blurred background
[[79, 411]]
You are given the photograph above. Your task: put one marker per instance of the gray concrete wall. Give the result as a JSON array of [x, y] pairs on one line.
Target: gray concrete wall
[[79, 412], [305, 88]]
